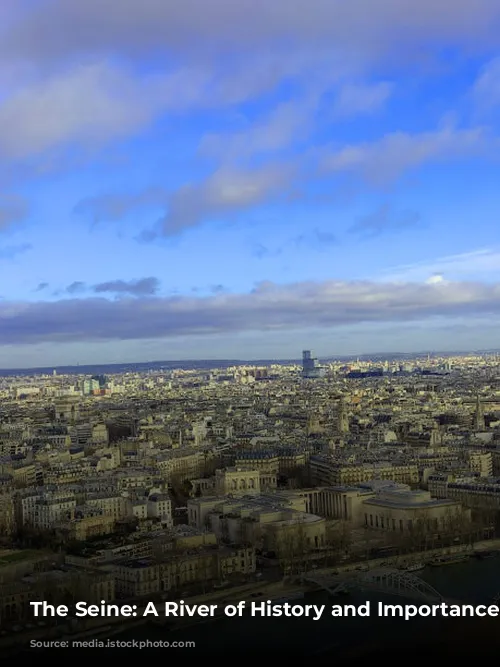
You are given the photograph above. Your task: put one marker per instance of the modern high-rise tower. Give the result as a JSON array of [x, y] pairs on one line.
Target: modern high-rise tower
[[310, 366], [479, 423]]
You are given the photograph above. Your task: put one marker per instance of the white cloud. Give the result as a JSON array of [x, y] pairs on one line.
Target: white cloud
[[387, 158], [435, 279], [92, 104], [226, 190], [99, 102]]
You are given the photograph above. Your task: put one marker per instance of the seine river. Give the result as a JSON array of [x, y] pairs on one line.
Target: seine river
[[473, 582]]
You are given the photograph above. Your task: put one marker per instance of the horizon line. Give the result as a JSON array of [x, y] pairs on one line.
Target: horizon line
[[344, 357]]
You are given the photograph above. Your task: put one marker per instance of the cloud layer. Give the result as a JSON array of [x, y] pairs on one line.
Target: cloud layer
[[103, 61], [134, 27], [283, 108], [267, 307]]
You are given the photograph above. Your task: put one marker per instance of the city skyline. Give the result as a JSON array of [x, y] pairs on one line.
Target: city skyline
[[242, 186], [211, 363]]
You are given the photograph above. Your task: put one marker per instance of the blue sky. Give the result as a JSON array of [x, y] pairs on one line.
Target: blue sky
[[244, 184]]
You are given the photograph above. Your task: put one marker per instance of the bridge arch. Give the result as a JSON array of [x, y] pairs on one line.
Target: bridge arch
[[383, 580]]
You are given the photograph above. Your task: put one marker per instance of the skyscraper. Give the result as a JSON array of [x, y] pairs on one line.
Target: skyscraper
[[310, 366], [479, 423]]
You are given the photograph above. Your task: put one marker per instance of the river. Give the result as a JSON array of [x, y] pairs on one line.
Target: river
[[473, 581]]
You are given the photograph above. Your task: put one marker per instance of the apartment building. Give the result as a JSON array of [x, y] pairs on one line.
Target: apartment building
[[328, 472], [146, 577], [473, 491], [44, 509]]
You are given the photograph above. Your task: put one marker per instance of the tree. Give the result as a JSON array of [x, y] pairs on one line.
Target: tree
[[180, 490], [339, 536], [420, 532], [487, 517], [486, 521], [292, 547], [338, 541], [459, 527], [344, 536], [284, 548]]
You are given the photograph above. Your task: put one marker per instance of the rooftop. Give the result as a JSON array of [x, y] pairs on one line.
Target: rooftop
[[409, 500]]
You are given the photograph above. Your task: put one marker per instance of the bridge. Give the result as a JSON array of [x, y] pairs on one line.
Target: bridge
[[382, 580]]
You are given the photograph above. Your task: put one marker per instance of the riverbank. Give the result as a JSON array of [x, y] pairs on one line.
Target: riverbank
[[416, 557], [473, 581], [267, 590]]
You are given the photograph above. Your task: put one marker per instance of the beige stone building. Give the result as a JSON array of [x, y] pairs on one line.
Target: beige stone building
[[23, 474], [148, 577], [279, 462], [260, 520], [182, 463], [481, 463], [242, 480], [337, 502], [110, 504], [84, 528], [235, 481], [326, 471], [403, 511], [474, 492], [380, 505], [262, 461]]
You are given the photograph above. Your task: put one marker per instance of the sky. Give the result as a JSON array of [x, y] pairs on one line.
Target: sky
[[194, 180]]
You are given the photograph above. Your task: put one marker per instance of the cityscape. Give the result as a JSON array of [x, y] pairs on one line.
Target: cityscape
[[249, 330], [245, 482]]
